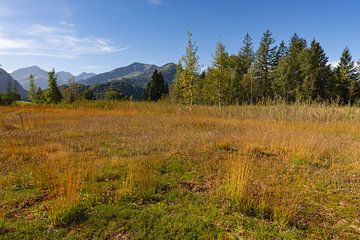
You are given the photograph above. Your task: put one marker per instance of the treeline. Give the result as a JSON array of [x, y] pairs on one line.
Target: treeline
[[10, 96], [156, 89], [293, 72]]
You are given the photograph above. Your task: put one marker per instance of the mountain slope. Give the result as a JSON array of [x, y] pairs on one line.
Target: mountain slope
[[84, 76], [7, 82], [41, 76], [136, 74], [22, 76]]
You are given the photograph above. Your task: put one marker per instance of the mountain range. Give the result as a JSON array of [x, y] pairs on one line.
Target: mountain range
[[130, 80], [41, 76], [7, 82], [136, 74]]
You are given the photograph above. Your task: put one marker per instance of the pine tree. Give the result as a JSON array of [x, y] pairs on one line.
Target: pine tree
[[53, 95], [156, 87], [32, 93], [315, 73], [188, 75], [246, 54], [281, 53], [288, 78], [346, 76], [265, 60]]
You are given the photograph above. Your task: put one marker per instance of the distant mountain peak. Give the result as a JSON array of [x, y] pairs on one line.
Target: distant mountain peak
[[138, 74], [41, 76]]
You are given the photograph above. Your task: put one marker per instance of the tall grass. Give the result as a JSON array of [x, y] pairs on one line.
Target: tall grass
[[296, 165], [259, 187]]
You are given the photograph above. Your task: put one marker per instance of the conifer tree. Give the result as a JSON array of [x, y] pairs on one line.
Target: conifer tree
[[288, 78], [281, 53], [32, 93], [246, 54], [315, 73], [53, 95], [218, 80], [40, 98], [156, 87], [346, 78], [265, 60], [188, 74]]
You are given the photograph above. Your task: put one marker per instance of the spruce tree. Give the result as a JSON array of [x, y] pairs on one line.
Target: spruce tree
[[246, 54], [315, 73], [281, 53], [288, 78], [265, 60], [32, 93], [156, 87], [346, 78], [53, 95]]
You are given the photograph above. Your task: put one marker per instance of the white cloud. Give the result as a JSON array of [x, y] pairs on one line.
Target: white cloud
[[62, 41], [155, 2]]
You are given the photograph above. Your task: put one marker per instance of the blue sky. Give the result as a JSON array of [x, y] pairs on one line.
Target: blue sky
[[100, 35]]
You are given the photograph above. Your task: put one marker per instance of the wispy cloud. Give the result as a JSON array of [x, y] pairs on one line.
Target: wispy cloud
[[61, 41], [155, 2]]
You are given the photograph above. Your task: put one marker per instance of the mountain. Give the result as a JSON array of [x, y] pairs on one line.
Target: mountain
[[84, 76], [136, 74], [63, 77], [41, 76], [22, 76], [7, 82]]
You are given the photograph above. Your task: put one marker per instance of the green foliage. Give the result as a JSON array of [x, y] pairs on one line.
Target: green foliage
[[347, 79], [73, 91], [156, 88], [32, 92], [112, 95], [188, 71], [53, 95], [218, 80], [294, 73], [9, 98], [316, 73], [265, 60], [88, 94]]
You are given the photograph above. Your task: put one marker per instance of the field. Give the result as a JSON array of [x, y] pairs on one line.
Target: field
[[126, 170]]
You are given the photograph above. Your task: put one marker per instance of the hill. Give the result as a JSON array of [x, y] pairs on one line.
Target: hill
[[7, 82], [136, 74]]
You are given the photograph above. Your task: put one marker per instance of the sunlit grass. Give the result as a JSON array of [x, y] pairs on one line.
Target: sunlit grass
[[292, 169]]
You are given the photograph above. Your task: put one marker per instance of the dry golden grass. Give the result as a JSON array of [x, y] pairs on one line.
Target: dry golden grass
[[295, 165]]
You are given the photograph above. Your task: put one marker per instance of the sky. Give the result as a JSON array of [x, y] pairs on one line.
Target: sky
[[101, 35]]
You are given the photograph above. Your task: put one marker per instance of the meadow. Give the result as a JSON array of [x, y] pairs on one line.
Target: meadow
[[128, 170]]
